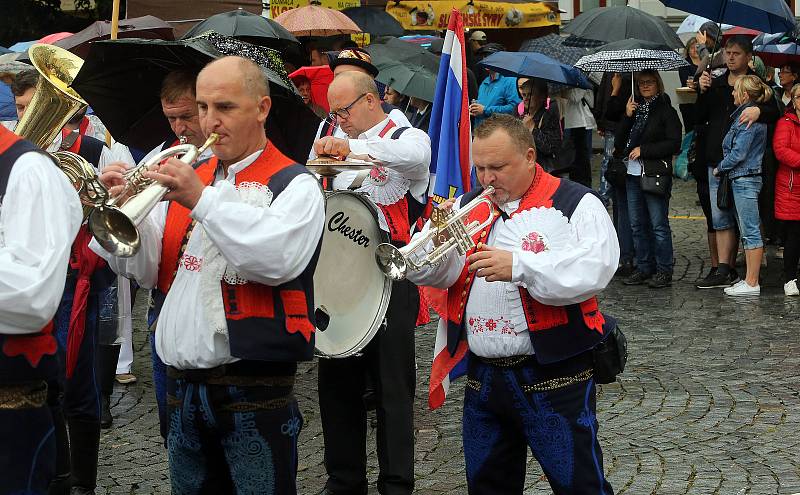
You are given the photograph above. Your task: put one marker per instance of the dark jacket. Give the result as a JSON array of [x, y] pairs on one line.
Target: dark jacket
[[547, 134], [607, 111], [661, 138], [713, 112]]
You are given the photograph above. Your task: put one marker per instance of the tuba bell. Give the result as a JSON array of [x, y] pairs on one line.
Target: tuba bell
[[51, 107]]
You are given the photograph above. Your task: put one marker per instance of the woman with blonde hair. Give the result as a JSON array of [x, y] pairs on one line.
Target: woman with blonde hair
[[743, 149]]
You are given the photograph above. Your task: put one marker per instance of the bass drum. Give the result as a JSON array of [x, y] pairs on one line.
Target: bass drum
[[350, 291]]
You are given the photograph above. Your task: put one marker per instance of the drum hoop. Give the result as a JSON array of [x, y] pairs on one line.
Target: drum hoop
[[386, 294]]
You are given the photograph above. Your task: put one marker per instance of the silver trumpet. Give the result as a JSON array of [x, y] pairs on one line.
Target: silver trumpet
[[448, 231], [114, 223]]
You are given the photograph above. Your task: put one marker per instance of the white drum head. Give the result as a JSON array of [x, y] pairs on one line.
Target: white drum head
[[351, 293]]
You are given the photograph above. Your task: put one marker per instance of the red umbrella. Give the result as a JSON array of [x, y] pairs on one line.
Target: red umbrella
[[313, 20], [148, 27], [320, 77], [738, 31], [52, 38]]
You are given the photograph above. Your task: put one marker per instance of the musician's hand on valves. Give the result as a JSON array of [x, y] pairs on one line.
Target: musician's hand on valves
[[332, 146], [113, 177], [184, 185], [491, 263]]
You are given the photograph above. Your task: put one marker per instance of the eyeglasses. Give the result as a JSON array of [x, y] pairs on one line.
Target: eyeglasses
[[646, 82], [796, 97], [344, 113]]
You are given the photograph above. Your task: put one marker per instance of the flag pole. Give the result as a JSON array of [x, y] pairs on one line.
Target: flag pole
[[114, 32]]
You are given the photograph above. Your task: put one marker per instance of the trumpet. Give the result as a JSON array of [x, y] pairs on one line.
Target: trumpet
[[448, 231], [114, 223]]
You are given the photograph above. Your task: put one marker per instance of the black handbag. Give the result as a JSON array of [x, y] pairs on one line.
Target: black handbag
[[617, 172], [724, 192], [610, 357], [656, 177]]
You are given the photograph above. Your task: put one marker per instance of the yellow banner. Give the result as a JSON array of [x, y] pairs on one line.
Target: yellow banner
[[278, 7], [479, 14]]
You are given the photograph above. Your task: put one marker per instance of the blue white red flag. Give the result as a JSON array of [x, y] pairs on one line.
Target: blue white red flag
[[451, 142]]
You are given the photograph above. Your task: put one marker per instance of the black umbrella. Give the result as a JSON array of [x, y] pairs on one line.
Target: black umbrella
[[607, 24], [553, 46], [389, 51], [121, 80], [373, 21], [245, 26]]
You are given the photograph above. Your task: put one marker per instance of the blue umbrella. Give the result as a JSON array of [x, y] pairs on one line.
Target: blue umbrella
[[769, 16], [21, 46], [529, 64], [4, 50], [777, 50]]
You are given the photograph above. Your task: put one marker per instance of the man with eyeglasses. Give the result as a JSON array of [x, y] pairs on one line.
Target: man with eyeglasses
[[397, 185]]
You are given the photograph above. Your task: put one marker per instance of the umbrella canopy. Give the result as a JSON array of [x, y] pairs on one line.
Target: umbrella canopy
[[389, 51], [52, 38], [373, 21], [739, 31], [631, 56], [553, 46], [21, 46], [320, 77], [4, 50], [607, 24], [148, 26], [692, 24], [121, 80], [410, 80], [245, 26], [313, 20], [527, 64], [777, 50], [769, 16]]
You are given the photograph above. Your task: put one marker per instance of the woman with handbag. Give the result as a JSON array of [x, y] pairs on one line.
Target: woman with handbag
[[648, 136], [543, 119], [787, 187], [740, 170]]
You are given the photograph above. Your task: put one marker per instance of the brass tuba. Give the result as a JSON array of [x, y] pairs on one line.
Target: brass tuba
[[53, 104]]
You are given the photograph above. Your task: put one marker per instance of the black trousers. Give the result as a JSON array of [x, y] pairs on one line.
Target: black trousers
[[389, 360], [582, 166]]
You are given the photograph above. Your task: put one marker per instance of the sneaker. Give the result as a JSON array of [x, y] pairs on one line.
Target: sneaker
[[716, 280], [125, 378], [625, 270], [790, 288], [743, 289], [638, 278], [660, 280]]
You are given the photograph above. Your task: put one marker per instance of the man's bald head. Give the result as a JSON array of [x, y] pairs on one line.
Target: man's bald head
[[243, 69], [360, 82]]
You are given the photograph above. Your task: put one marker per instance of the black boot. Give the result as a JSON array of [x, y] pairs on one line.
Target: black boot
[[84, 445], [60, 483], [107, 357]]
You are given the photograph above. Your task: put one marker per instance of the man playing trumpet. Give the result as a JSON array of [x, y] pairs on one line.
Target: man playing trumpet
[[522, 305], [238, 312]]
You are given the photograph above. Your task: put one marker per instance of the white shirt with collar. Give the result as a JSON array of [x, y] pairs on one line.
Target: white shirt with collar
[[40, 215], [557, 277], [270, 245]]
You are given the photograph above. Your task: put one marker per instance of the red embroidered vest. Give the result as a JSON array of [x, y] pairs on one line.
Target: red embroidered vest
[[30, 356], [264, 322], [557, 332]]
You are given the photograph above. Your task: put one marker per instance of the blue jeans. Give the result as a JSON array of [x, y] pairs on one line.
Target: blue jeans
[[652, 236], [608, 152], [745, 198], [622, 223]]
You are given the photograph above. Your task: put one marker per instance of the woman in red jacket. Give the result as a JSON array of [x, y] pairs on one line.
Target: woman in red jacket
[[787, 187]]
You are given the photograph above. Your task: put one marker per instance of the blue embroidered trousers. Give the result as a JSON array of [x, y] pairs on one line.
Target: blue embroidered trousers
[[28, 451], [232, 438], [505, 414]]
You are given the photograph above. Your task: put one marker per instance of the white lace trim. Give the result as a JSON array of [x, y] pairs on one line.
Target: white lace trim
[[385, 186], [215, 267]]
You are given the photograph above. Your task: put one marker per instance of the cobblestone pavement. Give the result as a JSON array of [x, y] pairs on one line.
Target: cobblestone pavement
[[707, 405]]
